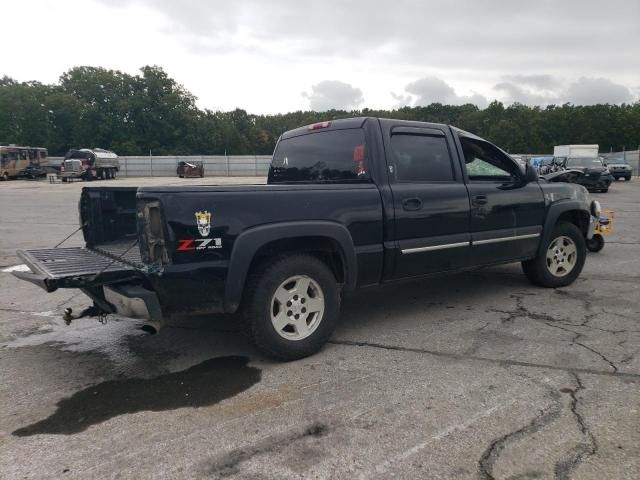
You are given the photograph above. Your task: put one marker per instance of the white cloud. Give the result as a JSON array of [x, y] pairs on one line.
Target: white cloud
[[589, 91], [427, 90], [333, 94], [547, 90]]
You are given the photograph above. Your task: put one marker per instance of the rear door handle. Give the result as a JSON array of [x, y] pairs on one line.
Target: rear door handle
[[479, 200], [411, 204]]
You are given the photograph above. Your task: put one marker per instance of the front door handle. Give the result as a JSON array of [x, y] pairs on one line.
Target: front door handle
[[411, 204], [478, 200]]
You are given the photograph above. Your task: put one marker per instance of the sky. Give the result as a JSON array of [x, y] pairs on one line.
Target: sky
[[281, 56]]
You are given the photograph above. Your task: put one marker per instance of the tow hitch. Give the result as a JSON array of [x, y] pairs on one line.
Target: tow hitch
[[92, 311]]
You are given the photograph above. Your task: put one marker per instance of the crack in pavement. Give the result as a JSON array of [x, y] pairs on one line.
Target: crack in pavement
[[564, 468], [523, 312], [497, 361], [574, 340], [492, 452]]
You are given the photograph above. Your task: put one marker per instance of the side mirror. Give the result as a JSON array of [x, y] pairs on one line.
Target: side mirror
[[530, 174]]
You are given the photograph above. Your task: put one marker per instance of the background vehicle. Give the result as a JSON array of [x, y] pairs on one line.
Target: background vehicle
[[16, 161], [89, 164], [349, 204], [190, 170], [596, 176], [619, 168]]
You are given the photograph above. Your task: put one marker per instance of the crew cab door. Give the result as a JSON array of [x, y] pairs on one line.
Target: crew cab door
[[507, 213], [431, 204]]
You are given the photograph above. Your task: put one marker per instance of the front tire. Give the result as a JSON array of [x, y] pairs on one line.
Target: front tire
[[561, 259], [292, 306]]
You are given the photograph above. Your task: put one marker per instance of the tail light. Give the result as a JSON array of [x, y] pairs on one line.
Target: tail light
[[318, 126], [358, 156]]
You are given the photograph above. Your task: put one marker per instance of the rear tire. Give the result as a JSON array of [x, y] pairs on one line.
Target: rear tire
[[291, 306], [560, 260]]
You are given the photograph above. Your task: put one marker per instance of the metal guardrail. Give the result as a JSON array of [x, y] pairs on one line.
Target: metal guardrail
[[214, 165]]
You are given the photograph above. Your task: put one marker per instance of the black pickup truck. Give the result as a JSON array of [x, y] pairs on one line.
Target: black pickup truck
[[348, 204]]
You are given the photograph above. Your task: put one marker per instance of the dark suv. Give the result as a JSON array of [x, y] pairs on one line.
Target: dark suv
[[596, 175]]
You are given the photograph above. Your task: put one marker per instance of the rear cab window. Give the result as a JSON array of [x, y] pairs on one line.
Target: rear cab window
[[321, 157]]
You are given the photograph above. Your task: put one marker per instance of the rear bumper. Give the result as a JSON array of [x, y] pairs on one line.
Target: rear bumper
[[134, 301], [600, 181]]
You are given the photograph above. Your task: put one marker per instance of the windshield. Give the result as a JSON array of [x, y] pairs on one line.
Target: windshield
[[584, 162]]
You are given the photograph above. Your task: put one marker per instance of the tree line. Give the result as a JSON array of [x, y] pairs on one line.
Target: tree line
[[151, 112]]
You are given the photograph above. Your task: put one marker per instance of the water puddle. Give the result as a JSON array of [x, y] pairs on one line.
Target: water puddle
[[202, 385]]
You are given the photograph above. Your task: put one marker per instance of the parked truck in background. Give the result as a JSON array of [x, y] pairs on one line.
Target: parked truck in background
[[349, 204], [89, 164]]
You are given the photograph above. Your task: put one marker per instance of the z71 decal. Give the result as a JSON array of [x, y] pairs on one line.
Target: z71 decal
[[198, 244]]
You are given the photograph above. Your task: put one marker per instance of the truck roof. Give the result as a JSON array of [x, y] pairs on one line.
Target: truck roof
[[358, 122]]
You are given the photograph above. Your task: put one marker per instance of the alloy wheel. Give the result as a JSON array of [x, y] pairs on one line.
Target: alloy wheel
[[562, 255], [297, 307]]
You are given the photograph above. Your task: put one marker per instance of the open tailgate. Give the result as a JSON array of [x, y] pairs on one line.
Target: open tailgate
[[74, 267]]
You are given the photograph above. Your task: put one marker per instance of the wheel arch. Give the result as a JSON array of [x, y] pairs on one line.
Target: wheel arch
[[566, 211], [330, 241]]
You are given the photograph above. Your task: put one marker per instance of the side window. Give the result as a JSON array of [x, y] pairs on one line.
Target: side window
[[421, 158], [484, 161]]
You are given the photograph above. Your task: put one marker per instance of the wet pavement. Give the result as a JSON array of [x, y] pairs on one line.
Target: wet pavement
[[478, 375]]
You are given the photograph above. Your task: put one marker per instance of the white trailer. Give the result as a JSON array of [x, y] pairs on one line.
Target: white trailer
[[575, 151]]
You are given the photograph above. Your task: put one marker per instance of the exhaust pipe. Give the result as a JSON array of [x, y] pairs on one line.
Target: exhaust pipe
[[151, 328]]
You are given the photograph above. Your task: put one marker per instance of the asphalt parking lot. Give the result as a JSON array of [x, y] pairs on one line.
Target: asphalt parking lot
[[478, 375]]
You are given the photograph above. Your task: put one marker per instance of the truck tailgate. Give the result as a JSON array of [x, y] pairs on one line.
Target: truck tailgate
[[75, 267]]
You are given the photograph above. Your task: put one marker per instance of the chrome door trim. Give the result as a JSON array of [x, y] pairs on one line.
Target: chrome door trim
[[435, 247], [504, 239]]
